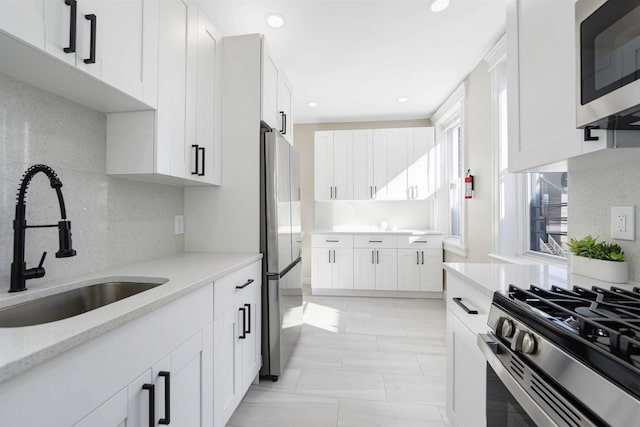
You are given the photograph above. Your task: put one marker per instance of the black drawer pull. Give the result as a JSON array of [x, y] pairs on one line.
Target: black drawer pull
[[250, 281], [375, 241], [152, 403], [202, 172], [464, 307], [72, 25], [420, 241], [167, 398], [332, 241], [197, 151]]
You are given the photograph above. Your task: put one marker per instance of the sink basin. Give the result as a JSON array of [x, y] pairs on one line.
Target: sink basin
[[69, 303]]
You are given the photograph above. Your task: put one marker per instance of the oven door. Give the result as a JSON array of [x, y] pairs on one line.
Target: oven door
[[608, 61], [518, 396]]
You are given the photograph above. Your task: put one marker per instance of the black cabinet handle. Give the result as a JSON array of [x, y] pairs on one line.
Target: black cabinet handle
[[329, 256], [248, 306], [92, 50], [195, 147], [332, 241], [335, 192], [331, 190], [244, 324], [373, 260], [587, 133], [417, 257], [72, 25], [422, 257], [167, 398], [375, 241], [152, 403], [283, 123], [250, 281], [464, 307], [334, 256], [202, 171], [377, 257]]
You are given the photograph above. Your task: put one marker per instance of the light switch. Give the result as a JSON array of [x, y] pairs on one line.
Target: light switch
[[623, 221]]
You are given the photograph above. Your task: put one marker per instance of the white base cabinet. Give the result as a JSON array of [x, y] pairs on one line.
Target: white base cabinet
[[376, 265], [466, 365], [100, 383], [236, 339]]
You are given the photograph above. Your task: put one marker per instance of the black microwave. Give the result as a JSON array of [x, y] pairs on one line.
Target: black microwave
[[608, 64]]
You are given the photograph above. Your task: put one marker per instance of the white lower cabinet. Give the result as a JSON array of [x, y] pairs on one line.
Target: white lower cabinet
[[102, 382], [376, 262], [236, 339], [466, 365]]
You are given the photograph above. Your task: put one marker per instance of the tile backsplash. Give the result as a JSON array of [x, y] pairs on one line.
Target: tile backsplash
[[114, 221]]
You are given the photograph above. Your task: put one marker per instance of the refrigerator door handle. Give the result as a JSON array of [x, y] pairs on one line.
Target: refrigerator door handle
[[276, 276]]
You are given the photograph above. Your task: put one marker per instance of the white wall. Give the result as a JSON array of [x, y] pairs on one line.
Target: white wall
[[114, 221], [303, 141], [398, 215], [478, 157]]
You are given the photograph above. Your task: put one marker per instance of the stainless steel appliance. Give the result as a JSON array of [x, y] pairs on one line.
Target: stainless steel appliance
[[281, 246], [608, 64], [561, 357]]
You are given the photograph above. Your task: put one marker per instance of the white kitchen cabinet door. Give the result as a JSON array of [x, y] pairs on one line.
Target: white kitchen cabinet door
[[58, 40], [172, 88], [386, 269], [226, 366], [342, 268], [203, 144], [541, 67], [270, 113], [431, 270], [397, 164], [251, 343], [120, 44], [364, 268], [467, 372], [323, 160], [363, 165], [418, 163], [343, 165], [25, 19], [381, 141], [409, 270], [89, 37], [284, 107], [321, 267], [128, 407]]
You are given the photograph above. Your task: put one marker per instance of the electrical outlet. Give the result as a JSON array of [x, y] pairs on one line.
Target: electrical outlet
[[179, 224], [623, 222]]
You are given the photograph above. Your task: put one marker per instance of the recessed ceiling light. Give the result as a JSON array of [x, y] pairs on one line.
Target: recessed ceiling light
[[403, 99], [312, 104], [275, 20], [439, 5]]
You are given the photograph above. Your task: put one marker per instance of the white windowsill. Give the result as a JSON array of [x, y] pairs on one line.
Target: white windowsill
[[454, 246]]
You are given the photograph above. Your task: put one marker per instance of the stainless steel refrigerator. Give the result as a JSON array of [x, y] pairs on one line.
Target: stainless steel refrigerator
[[281, 246]]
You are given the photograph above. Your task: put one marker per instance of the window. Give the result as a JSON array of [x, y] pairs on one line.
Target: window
[[547, 213], [454, 175]]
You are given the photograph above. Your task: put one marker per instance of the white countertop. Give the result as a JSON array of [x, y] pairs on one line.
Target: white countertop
[[373, 230], [25, 347], [489, 278]]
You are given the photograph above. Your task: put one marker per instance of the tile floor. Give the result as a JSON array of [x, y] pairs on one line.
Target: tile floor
[[359, 362]]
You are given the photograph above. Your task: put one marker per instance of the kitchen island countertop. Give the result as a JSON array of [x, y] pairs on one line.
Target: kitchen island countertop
[[28, 346]]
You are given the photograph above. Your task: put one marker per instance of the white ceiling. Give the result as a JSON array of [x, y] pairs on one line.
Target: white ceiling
[[356, 58]]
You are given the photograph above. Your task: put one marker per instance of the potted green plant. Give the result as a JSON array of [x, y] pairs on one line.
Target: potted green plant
[[599, 260]]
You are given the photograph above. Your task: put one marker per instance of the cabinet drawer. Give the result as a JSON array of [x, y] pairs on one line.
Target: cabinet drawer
[[225, 291], [470, 298], [376, 241], [421, 242], [332, 241]]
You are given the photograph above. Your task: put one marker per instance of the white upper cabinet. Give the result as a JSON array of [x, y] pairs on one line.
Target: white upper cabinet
[[179, 142], [284, 107], [276, 108], [103, 39], [334, 162], [541, 87], [387, 164]]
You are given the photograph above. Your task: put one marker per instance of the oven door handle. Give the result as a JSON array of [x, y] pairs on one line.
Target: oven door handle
[[491, 348]]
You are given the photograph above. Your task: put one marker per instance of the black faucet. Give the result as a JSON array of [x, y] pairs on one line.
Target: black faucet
[[19, 271]]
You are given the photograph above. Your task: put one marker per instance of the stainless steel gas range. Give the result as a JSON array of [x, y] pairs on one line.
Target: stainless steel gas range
[[563, 357]]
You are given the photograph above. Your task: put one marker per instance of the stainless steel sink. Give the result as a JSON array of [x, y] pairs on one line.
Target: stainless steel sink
[[69, 303]]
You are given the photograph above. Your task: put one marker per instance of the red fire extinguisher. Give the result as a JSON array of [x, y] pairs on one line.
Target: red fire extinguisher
[[468, 185]]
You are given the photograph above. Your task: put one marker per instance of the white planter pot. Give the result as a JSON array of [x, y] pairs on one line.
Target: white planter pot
[[607, 271]]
